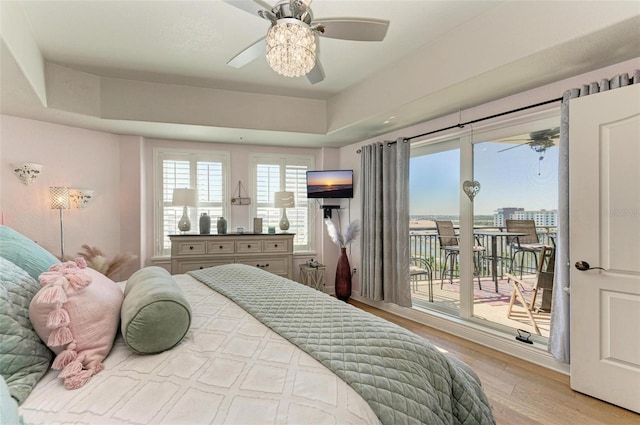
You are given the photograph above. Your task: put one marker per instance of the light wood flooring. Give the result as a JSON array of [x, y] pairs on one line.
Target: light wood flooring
[[519, 392]]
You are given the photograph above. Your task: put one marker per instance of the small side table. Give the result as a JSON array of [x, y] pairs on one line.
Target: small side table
[[313, 276]]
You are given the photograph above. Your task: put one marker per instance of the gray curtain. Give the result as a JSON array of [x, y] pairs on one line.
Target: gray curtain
[[384, 184], [559, 335]]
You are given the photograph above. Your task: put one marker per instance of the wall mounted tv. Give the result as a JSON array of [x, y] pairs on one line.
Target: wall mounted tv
[[330, 184]]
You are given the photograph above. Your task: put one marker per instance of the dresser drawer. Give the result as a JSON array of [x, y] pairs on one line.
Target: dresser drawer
[[191, 248], [183, 266], [248, 246], [276, 245], [272, 265], [220, 247]]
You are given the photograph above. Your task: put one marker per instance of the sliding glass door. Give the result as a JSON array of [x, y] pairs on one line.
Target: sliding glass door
[[479, 182], [434, 179]]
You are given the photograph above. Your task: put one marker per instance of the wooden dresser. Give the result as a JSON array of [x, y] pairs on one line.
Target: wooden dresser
[[272, 252]]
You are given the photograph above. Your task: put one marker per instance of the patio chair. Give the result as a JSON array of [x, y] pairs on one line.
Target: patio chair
[[544, 281], [449, 244], [527, 243], [419, 268]]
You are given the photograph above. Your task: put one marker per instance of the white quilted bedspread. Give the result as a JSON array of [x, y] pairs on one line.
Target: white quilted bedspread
[[230, 369]]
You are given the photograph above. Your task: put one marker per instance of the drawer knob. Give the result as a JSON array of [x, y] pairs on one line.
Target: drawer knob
[[262, 266], [191, 247], [248, 246], [275, 245], [220, 246], [201, 267]]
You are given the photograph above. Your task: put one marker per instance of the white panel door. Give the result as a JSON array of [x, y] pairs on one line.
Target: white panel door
[[605, 232]]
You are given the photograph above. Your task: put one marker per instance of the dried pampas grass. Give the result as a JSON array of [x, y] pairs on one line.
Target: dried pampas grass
[[98, 261], [353, 230]]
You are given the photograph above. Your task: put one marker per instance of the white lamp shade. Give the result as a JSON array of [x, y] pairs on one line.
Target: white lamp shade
[[283, 200], [184, 198], [59, 198]]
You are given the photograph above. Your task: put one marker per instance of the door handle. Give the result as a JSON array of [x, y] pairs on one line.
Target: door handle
[[583, 266]]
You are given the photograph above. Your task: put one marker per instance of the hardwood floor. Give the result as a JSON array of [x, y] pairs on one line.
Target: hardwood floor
[[519, 392]]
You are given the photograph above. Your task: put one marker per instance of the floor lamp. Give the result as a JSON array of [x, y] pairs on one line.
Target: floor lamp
[[60, 201]]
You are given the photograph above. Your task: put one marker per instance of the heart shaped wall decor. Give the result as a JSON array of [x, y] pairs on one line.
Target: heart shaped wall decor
[[471, 188]]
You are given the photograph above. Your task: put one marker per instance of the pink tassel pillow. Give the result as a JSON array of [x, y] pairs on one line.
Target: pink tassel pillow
[[76, 313]]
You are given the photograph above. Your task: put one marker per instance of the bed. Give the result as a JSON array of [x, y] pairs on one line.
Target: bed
[[262, 349]]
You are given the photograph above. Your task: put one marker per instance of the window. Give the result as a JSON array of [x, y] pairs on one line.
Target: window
[[205, 171], [283, 173]]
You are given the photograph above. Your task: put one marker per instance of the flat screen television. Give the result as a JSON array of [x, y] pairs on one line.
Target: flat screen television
[[330, 184]]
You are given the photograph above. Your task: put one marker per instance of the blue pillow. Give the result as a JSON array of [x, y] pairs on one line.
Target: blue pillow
[[25, 253], [8, 407], [24, 358]]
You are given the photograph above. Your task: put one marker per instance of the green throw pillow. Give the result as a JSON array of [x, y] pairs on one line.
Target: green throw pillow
[[155, 314], [25, 253]]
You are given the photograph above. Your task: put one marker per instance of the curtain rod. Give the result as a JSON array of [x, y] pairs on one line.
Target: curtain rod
[[461, 125]]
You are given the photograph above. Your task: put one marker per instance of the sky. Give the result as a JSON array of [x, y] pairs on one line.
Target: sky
[[512, 178]]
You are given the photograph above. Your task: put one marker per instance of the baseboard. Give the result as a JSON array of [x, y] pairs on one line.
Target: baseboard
[[535, 353]]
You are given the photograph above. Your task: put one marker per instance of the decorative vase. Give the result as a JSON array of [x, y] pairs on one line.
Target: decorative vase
[[205, 224], [343, 276], [222, 226]]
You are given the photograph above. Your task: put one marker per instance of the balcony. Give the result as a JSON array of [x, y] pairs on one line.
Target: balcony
[[488, 304]]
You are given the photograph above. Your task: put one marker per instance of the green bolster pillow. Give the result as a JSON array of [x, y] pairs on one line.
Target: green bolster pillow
[[155, 314]]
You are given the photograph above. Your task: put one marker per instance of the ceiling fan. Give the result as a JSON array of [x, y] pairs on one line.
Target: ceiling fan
[[292, 36], [539, 141]]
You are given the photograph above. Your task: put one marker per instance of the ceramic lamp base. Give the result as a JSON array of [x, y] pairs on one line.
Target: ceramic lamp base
[[184, 225], [284, 221]]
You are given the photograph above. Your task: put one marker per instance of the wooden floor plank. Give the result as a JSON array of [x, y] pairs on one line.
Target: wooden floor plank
[[520, 392]]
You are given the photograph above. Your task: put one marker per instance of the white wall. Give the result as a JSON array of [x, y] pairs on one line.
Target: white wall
[[70, 157], [120, 169]]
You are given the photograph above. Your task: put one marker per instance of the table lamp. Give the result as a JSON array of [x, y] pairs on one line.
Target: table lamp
[[184, 198], [283, 200]]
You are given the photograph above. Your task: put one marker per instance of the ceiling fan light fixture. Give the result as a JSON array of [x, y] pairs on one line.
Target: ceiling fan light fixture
[[291, 48]]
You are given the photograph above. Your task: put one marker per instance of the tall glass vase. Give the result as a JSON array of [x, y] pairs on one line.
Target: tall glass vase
[[343, 276]]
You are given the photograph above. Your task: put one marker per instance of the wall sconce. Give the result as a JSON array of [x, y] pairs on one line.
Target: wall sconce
[[79, 198], [59, 197], [27, 172]]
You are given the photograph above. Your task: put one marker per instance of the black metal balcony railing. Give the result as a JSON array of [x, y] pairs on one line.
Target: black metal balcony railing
[[424, 244]]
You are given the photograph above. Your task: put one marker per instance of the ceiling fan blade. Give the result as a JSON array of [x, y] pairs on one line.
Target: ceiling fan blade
[[249, 54], [513, 147], [251, 6], [353, 28], [316, 74]]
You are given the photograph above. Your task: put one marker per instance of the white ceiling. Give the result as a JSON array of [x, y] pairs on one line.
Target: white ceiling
[[99, 58]]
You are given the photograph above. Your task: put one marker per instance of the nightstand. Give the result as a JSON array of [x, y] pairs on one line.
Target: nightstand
[[313, 276]]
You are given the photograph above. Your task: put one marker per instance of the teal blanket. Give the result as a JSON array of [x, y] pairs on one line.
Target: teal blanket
[[402, 376]]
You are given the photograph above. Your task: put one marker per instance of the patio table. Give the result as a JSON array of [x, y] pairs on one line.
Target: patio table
[[494, 235]]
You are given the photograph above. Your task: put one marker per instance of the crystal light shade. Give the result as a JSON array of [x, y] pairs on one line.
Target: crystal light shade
[[291, 48], [59, 197]]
